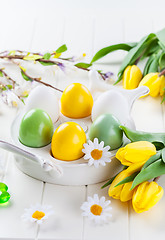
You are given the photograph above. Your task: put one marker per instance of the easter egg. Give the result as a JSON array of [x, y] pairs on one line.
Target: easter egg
[[106, 128], [112, 102], [67, 141], [36, 128], [44, 98], [76, 101]]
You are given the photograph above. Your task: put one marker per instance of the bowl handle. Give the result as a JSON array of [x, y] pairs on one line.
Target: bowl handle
[[47, 165]]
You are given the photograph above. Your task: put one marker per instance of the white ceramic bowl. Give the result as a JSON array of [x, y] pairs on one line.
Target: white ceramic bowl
[[74, 172]]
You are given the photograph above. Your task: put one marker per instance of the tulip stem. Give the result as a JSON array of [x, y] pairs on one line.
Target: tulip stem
[[156, 179], [161, 73]]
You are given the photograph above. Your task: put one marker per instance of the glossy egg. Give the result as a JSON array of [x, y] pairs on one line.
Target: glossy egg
[[106, 128], [44, 98], [112, 102], [76, 101], [36, 128], [67, 141]]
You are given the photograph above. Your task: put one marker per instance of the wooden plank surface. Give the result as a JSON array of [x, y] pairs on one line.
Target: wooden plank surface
[[43, 28]]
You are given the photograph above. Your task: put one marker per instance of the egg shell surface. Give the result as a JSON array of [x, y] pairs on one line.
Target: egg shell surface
[[44, 98]]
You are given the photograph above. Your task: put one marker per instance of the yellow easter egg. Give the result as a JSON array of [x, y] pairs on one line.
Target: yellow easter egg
[[67, 141], [76, 101]]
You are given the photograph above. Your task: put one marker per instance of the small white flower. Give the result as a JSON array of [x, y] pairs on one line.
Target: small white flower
[[96, 153], [97, 210], [11, 99], [37, 213], [24, 89]]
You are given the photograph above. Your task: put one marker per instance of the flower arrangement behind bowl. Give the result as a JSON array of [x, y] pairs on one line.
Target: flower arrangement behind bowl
[[143, 162]]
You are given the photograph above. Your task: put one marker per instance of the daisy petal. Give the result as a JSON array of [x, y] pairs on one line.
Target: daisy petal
[[96, 141], [102, 144], [99, 218], [105, 149], [96, 163], [90, 162]]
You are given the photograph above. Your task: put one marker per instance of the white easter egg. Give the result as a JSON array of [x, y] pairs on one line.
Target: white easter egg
[[44, 98], [112, 102]]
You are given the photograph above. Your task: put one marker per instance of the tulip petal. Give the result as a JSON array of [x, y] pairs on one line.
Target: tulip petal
[[146, 195], [126, 193], [135, 77], [126, 77], [139, 151], [120, 154], [162, 86], [155, 88], [115, 191]]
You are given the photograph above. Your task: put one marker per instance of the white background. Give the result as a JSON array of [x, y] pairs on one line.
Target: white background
[[85, 26]]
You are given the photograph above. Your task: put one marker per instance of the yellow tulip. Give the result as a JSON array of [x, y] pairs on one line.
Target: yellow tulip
[[131, 77], [135, 152], [123, 191], [146, 195], [154, 83], [162, 86]]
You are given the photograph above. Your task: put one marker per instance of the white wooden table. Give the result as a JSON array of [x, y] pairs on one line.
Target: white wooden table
[[45, 25]]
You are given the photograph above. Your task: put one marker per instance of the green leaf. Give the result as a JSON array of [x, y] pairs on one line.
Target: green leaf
[[128, 179], [161, 46], [155, 63], [152, 171], [158, 139], [109, 182], [4, 88], [104, 51], [163, 155], [83, 65], [119, 78], [162, 61], [9, 86], [47, 63], [161, 36], [152, 159], [25, 77], [163, 99], [148, 63], [62, 49], [136, 52], [1, 74], [47, 56], [152, 48]]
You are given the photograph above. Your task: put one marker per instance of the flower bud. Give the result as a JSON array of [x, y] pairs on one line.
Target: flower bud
[[123, 191], [131, 77], [154, 83], [135, 152], [146, 195]]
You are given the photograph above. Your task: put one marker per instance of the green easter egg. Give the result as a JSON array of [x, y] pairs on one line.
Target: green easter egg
[[36, 128], [106, 128]]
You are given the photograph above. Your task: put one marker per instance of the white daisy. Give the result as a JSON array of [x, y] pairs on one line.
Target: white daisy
[[96, 153], [37, 213], [97, 210]]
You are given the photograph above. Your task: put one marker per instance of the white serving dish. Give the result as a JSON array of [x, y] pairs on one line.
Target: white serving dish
[[73, 172]]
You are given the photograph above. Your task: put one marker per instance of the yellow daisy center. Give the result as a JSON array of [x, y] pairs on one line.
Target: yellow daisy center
[[38, 215], [96, 209], [96, 154]]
